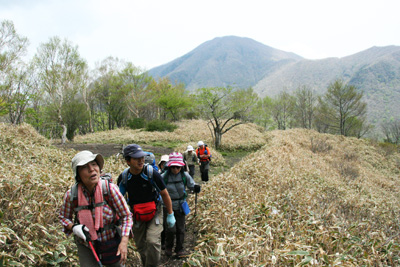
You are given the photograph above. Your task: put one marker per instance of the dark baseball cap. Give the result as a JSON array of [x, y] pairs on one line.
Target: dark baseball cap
[[134, 151]]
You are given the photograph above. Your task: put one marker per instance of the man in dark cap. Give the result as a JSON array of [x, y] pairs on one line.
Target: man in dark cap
[[145, 189]]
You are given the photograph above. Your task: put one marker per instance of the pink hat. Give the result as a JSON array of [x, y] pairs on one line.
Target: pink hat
[[175, 159]]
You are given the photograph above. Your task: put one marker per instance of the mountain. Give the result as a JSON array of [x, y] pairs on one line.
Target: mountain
[[375, 71], [225, 61], [242, 62]]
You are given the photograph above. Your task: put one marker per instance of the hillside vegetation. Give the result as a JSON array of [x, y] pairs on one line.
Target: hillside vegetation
[[304, 198]]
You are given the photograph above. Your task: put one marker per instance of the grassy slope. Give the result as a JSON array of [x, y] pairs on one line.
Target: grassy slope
[[286, 204], [338, 204]]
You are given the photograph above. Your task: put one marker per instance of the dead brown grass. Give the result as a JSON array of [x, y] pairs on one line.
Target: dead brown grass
[[289, 204], [242, 137]]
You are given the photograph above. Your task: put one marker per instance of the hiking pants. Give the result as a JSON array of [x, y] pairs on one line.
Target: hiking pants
[[177, 231], [147, 236], [204, 167], [191, 170], [86, 256]]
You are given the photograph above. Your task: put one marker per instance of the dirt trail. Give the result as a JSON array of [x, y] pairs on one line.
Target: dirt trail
[[108, 150]]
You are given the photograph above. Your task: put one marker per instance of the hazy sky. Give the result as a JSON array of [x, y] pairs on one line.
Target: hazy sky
[[149, 33]]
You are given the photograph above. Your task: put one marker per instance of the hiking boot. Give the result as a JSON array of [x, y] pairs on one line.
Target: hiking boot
[[168, 252], [182, 253]]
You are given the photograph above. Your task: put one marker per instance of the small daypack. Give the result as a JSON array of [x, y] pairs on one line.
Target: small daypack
[[151, 160], [142, 212], [184, 205], [184, 181]]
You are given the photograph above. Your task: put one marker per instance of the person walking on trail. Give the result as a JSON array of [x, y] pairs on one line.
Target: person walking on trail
[[190, 157], [145, 189], [96, 203], [203, 153], [161, 164], [177, 180]]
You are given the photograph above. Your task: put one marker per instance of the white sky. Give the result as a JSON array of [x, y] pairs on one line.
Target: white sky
[[149, 33]]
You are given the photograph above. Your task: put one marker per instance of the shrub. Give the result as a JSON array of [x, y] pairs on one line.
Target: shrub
[[160, 126], [320, 145], [136, 123]]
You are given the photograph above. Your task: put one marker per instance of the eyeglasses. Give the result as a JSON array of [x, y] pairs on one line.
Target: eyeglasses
[[175, 167]]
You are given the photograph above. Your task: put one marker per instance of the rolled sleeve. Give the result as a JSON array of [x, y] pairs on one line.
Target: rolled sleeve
[[66, 213]]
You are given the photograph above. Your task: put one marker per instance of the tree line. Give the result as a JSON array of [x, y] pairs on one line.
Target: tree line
[[61, 96]]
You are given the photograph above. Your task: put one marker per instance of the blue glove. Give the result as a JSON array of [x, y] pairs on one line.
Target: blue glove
[[171, 220]]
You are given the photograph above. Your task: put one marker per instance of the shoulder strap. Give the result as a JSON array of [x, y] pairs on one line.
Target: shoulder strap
[[125, 176], [74, 196], [185, 178], [149, 176]]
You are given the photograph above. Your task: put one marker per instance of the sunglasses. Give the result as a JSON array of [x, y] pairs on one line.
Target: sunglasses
[[175, 167]]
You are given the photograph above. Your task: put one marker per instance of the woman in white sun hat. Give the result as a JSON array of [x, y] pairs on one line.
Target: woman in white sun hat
[[95, 203], [190, 157]]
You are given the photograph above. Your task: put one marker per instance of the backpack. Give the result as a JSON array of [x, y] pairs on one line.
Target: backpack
[[151, 160], [206, 152], [148, 177], [142, 211], [184, 181], [105, 179]]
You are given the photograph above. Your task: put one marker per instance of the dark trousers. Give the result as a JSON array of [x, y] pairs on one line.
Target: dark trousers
[[204, 167], [191, 170], [178, 232]]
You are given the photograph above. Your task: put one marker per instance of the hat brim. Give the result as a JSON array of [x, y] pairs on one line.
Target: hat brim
[[97, 157], [175, 163], [139, 154]]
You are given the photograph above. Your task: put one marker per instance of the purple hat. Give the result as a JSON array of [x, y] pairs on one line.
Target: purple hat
[[134, 151], [175, 159]]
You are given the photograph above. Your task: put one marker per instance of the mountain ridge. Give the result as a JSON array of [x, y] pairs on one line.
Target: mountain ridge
[[243, 62]]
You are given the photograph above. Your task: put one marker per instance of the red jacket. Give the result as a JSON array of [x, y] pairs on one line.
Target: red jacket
[[202, 154]]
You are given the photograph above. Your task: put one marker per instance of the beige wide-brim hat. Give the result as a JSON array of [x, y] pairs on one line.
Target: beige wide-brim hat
[[85, 157], [164, 158]]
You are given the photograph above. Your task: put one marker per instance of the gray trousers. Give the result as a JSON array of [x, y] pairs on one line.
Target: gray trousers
[[86, 256], [147, 236], [191, 170]]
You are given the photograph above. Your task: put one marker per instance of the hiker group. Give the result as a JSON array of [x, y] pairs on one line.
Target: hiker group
[[148, 204]]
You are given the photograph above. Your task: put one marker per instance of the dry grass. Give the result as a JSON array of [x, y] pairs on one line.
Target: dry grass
[[286, 205], [34, 176], [242, 137]]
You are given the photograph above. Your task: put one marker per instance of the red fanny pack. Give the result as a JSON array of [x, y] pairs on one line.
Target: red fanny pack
[[144, 212]]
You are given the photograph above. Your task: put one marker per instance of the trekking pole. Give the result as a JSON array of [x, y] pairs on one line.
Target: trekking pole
[[92, 248], [94, 253], [195, 204]]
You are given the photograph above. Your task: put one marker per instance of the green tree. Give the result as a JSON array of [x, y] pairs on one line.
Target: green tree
[[340, 107], [12, 47], [173, 99], [107, 104], [304, 107], [391, 130], [22, 90], [282, 110], [61, 72], [75, 115], [136, 82], [262, 113], [225, 108]]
